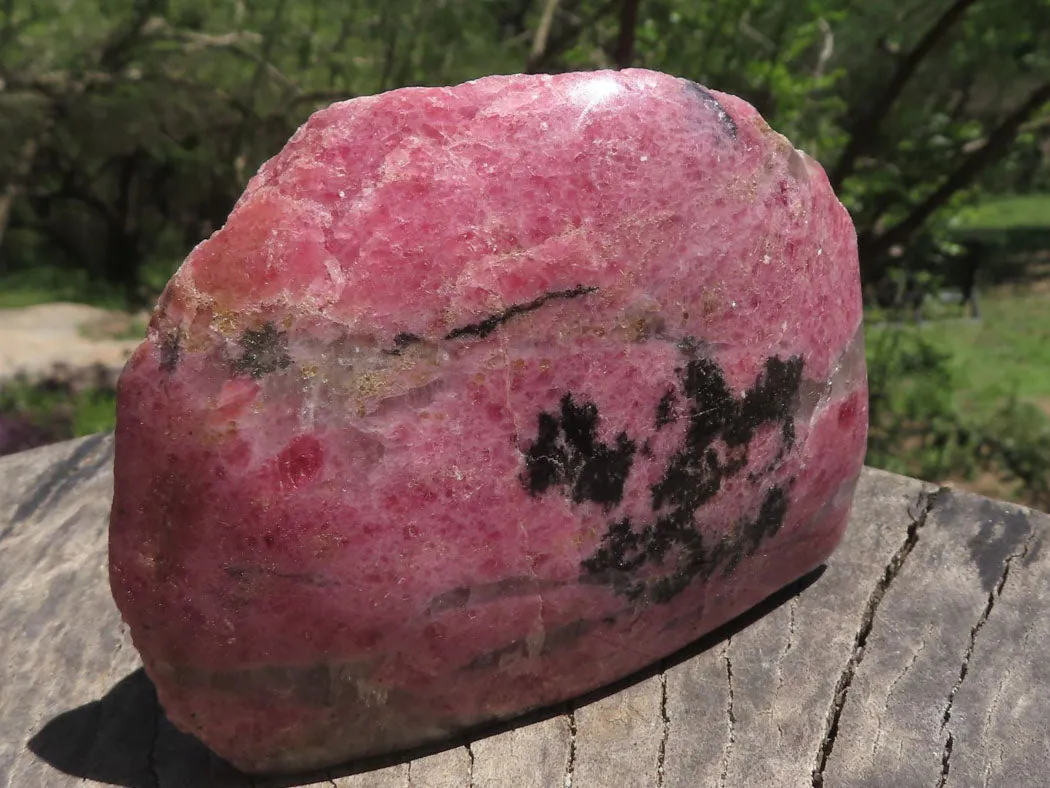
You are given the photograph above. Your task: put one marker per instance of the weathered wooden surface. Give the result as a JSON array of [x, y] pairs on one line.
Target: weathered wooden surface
[[918, 658]]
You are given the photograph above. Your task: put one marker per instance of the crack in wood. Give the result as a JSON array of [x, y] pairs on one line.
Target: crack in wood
[[792, 607], [662, 752], [993, 707], [911, 662], [922, 508], [877, 741], [964, 668], [570, 765], [986, 783], [730, 714]]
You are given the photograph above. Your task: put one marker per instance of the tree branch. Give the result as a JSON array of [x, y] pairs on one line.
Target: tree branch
[[241, 133], [625, 43], [7, 33], [827, 49], [232, 41], [557, 45], [864, 131], [543, 30], [54, 84], [389, 48], [317, 97], [116, 53], [16, 183], [996, 145]]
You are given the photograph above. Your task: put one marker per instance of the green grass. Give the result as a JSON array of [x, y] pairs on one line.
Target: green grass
[[1004, 355], [1022, 212], [72, 413], [1007, 353], [967, 402], [135, 329], [94, 410], [48, 285]]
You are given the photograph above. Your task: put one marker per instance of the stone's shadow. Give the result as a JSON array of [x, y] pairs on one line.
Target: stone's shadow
[[70, 742], [93, 453], [124, 738]]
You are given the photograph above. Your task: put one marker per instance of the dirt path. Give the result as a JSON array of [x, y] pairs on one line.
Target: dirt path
[[39, 340]]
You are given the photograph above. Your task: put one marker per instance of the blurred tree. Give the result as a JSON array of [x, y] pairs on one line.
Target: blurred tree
[[912, 106], [129, 127], [624, 55]]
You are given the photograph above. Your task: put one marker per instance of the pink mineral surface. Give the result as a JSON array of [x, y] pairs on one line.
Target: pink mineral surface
[[484, 397]]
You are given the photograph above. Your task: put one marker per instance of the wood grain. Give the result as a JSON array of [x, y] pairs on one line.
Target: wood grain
[[914, 658]]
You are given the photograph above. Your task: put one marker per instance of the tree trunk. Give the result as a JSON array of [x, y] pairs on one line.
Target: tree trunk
[[625, 43], [543, 31], [864, 131], [16, 185], [568, 35], [874, 246]]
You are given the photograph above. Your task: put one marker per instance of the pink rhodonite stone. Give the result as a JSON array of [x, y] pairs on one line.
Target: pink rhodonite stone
[[484, 396]]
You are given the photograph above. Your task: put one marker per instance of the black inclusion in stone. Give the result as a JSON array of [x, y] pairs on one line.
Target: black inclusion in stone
[[401, 341], [264, 350], [772, 400], [665, 409], [709, 101], [767, 523], [676, 552], [653, 560], [567, 453], [170, 350], [656, 561], [483, 328]]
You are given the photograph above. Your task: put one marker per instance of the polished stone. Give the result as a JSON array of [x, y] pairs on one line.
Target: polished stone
[[484, 397]]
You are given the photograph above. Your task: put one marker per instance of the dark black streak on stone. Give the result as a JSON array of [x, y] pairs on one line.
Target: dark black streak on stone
[[711, 103], [674, 542], [567, 453], [453, 599], [665, 409], [401, 341], [248, 574], [307, 684], [170, 350], [657, 560], [556, 639], [507, 588], [485, 327], [694, 473], [752, 533], [265, 351]]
